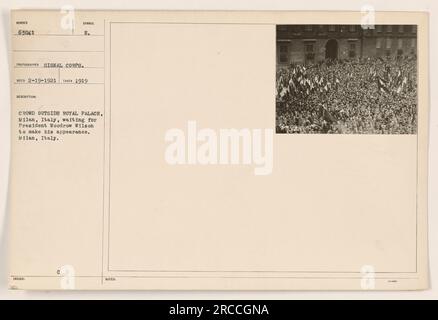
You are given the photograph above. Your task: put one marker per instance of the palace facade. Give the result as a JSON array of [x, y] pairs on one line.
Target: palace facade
[[314, 43]]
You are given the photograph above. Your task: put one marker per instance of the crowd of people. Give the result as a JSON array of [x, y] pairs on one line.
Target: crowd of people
[[371, 95]]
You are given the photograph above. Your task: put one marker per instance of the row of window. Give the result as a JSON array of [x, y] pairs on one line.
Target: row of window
[[351, 28], [400, 43], [309, 45], [309, 48], [389, 28]]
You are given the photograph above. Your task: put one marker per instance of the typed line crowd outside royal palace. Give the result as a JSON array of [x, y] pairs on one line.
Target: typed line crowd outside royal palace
[[346, 79]]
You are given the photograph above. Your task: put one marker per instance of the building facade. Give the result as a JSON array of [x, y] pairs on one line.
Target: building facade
[[314, 43]]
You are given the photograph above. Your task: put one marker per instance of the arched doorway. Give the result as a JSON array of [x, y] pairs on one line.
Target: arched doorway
[[331, 49]]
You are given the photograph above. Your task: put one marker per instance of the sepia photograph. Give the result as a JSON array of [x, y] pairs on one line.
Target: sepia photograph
[[346, 79], [143, 155]]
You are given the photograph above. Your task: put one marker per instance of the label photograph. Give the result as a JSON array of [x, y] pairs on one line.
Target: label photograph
[[346, 79]]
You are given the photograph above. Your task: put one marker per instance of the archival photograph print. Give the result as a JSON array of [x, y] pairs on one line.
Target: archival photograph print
[[346, 79]]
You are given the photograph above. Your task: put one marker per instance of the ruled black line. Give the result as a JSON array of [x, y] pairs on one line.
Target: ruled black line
[[104, 149], [23, 50], [57, 35]]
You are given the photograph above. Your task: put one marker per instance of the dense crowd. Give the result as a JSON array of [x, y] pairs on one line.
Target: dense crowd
[[372, 95]]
